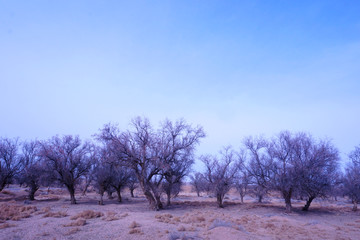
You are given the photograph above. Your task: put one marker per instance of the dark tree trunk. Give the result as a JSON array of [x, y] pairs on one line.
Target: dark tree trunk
[[32, 192], [260, 198], [198, 193], [101, 202], [308, 202], [242, 198], [118, 192], [71, 190], [287, 197], [159, 204], [109, 193], [132, 192], [219, 199], [168, 203]]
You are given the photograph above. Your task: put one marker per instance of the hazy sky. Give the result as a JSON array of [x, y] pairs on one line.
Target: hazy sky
[[237, 68]]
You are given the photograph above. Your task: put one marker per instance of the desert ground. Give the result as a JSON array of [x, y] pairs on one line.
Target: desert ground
[[51, 216]]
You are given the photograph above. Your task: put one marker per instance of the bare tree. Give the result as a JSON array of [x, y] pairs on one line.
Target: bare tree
[[150, 153], [132, 183], [317, 164], [351, 179], [102, 178], [68, 160], [10, 163], [198, 181], [220, 173], [286, 177], [259, 165], [33, 173]]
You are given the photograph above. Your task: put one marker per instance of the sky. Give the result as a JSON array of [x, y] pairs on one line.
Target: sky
[[237, 68]]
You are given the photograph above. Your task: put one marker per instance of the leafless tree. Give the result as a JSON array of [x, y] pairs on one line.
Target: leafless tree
[[286, 177], [317, 165], [151, 153], [220, 173], [351, 180], [102, 178], [259, 165], [10, 163], [242, 178], [68, 160], [198, 182], [132, 183], [33, 173]]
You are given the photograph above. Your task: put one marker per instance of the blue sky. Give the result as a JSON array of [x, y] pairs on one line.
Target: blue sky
[[237, 68]]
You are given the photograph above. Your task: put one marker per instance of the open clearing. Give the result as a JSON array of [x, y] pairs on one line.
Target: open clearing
[[51, 216]]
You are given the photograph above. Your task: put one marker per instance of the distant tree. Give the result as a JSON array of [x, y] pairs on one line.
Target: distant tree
[[34, 172], [198, 182], [132, 183], [101, 173], [317, 163], [259, 165], [120, 175], [68, 160], [149, 153], [220, 173], [10, 162], [285, 167], [242, 178], [351, 179]]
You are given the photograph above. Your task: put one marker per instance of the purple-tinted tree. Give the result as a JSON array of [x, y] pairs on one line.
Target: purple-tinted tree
[[285, 167], [148, 153], [68, 160], [351, 179], [259, 165], [220, 173], [34, 172], [317, 165], [10, 162], [198, 182], [132, 183]]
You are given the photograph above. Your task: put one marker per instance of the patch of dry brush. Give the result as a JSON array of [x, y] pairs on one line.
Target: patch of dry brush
[[15, 212], [87, 214]]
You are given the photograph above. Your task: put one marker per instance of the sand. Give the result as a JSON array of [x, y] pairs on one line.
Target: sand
[[51, 216]]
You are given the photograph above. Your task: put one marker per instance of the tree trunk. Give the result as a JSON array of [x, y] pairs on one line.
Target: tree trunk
[[101, 202], [242, 198], [71, 190], [287, 198], [109, 193], [168, 194], [32, 192], [308, 202], [198, 193], [219, 200], [119, 195], [132, 192], [159, 204], [260, 198], [355, 206]]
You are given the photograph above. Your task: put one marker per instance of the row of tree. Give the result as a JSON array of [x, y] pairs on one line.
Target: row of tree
[[294, 165], [157, 161]]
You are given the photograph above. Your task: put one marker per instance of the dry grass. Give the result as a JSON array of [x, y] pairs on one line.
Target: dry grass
[[87, 214], [135, 228], [72, 231], [135, 231], [15, 212], [6, 225], [77, 223], [181, 229], [58, 214], [111, 216], [134, 225]]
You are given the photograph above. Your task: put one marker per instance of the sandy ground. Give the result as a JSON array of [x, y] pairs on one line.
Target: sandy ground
[[51, 216]]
